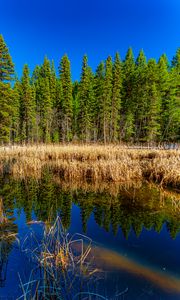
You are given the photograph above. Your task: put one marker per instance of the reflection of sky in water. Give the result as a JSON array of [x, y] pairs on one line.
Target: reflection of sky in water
[[157, 251], [125, 260]]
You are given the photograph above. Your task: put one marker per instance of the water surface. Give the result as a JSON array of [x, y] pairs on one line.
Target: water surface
[[135, 233]]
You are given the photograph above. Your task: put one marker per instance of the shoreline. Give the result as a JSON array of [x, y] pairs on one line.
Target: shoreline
[[93, 163]]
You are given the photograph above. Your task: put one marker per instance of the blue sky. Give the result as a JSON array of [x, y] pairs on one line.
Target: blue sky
[[98, 28]]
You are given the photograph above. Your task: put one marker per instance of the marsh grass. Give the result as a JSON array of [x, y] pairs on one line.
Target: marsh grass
[[63, 265], [93, 163]]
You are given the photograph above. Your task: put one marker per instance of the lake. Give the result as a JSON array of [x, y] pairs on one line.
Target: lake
[[135, 232]]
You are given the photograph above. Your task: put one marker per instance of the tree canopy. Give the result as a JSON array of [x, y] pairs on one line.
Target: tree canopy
[[134, 100]]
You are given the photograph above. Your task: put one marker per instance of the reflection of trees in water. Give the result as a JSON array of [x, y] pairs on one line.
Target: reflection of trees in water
[[7, 236], [132, 208]]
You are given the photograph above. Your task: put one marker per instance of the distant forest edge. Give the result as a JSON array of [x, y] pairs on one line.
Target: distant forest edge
[[123, 101]]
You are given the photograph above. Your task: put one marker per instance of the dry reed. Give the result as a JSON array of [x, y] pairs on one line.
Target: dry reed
[[93, 163]]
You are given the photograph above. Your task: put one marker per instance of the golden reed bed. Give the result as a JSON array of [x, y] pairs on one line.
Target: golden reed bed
[[94, 163]]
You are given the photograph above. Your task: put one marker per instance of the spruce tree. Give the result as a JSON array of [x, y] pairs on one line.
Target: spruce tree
[[128, 105], [106, 104], [16, 111], [116, 99], [6, 111], [152, 124], [67, 108], [98, 90], [6, 94], [76, 109], [86, 101], [44, 102], [6, 64], [163, 81], [58, 116], [140, 96], [27, 108], [170, 106]]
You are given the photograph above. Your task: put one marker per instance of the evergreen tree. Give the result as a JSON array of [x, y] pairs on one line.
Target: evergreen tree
[[6, 64], [140, 97], [128, 106], [67, 108], [58, 117], [98, 91], [44, 101], [170, 109], [151, 127], [6, 111], [6, 95], [16, 111], [86, 99], [133, 101], [76, 109], [27, 108], [163, 80], [153, 114], [105, 105], [116, 99]]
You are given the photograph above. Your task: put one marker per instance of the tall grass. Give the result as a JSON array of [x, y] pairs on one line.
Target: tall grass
[[63, 266], [93, 163]]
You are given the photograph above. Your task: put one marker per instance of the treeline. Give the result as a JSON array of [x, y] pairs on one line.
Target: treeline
[[130, 100]]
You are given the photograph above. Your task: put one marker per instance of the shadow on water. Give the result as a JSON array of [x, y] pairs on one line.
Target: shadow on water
[[135, 228]]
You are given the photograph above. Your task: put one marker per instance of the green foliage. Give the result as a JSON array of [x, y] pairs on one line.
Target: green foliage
[[26, 108], [106, 104], [6, 111], [67, 100], [132, 101], [128, 105], [116, 99], [6, 64], [86, 102]]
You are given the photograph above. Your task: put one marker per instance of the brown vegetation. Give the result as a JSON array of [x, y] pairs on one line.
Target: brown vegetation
[[3, 219], [93, 163]]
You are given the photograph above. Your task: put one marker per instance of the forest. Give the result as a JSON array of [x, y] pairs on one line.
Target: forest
[[134, 100]]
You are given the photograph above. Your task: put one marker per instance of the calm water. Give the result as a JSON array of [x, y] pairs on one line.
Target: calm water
[[136, 233]]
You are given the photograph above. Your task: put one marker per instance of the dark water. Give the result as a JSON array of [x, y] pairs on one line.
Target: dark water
[[136, 232]]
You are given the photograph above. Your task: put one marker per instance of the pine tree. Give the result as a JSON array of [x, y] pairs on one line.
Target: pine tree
[[76, 109], [36, 82], [6, 64], [6, 111], [86, 100], [170, 105], [44, 102], [98, 91], [16, 111], [53, 83], [116, 99], [153, 104], [27, 108], [128, 106], [163, 80], [105, 105], [140, 96], [175, 84], [153, 114], [67, 108], [6, 94], [58, 117]]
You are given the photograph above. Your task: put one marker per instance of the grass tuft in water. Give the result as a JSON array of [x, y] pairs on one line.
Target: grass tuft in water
[[63, 266]]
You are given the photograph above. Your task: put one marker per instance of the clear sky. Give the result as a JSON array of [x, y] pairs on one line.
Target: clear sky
[[98, 28]]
